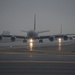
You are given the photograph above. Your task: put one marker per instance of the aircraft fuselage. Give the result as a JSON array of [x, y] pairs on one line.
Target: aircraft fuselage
[[32, 34]]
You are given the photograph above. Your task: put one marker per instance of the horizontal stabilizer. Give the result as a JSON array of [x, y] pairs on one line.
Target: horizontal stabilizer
[[24, 31], [43, 31]]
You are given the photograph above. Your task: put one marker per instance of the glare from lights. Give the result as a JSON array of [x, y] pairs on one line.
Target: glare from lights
[[59, 40], [31, 40], [31, 44], [59, 43]]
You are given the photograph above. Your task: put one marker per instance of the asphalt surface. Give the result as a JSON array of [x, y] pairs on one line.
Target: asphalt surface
[[45, 60], [36, 68]]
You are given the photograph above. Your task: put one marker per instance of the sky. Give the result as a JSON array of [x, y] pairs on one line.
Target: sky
[[16, 15]]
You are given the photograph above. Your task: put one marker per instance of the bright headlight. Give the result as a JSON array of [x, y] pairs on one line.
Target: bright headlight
[[59, 40], [31, 40]]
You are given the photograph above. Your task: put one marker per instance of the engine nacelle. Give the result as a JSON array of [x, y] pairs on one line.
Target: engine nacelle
[[65, 37], [1, 37], [13, 38], [51, 38]]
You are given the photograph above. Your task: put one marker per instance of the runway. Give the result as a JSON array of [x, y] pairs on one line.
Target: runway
[[32, 68], [43, 60], [33, 57]]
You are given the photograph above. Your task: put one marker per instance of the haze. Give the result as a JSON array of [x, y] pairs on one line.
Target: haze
[[16, 15]]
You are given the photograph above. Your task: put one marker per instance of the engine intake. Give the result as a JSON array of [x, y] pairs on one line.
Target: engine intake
[[51, 39], [13, 38], [65, 37]]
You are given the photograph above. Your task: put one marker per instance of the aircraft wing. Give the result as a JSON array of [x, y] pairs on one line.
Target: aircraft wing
[[54, 37], [42, 37], [17, 36], [43, 31], [50, 37]]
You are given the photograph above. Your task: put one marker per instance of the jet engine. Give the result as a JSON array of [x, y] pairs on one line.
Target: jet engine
[[51, 38], [13, 38], [1, 37], [65, 37]]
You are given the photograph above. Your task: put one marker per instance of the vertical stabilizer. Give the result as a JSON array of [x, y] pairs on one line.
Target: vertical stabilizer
[[34, 22]]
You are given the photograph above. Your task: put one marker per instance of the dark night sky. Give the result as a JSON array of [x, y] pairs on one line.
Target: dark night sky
[[16, 15]]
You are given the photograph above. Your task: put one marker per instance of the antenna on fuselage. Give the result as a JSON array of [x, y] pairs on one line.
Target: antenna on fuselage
[[34, 22]]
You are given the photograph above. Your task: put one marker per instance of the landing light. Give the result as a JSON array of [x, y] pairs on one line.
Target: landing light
[[31, 44], [31, 40], [59, 40], [59, 43]]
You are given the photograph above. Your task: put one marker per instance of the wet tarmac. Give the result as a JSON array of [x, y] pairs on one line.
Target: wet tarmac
[[36, 68], [45, 60]]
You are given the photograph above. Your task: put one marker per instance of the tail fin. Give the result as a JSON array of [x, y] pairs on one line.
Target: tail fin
[[34, 22], [43, 31]]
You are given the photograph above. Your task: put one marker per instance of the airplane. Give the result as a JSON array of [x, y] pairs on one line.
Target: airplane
[[5, 33], [33, 34]]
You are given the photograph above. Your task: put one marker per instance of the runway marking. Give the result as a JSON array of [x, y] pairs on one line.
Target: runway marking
[[40, 52], [16, 61]]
